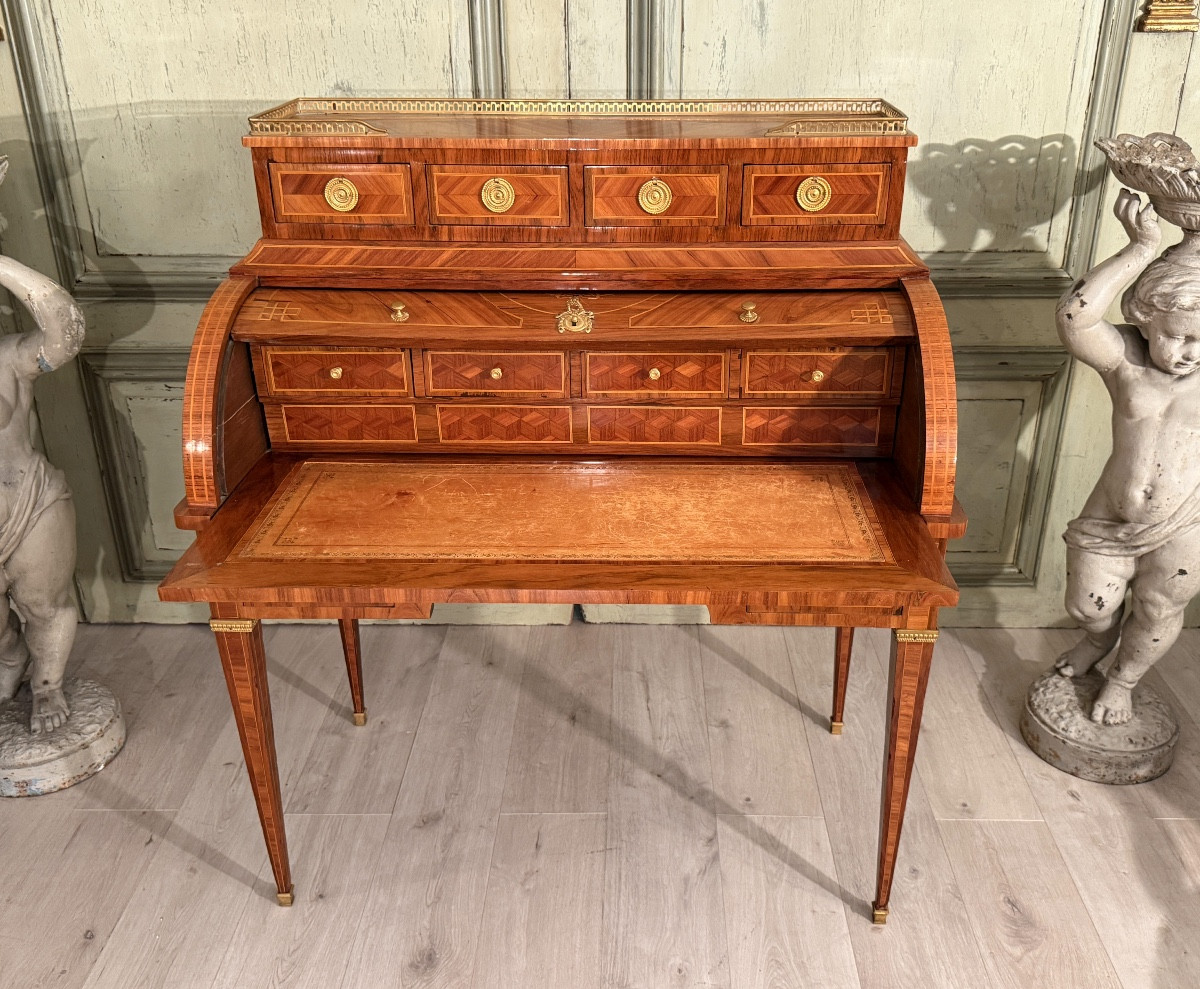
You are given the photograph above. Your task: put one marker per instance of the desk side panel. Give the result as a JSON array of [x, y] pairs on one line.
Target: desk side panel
[[926, 447], [223, 427]]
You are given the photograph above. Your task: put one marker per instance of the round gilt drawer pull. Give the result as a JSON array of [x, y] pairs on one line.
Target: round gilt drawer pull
[[335, 373], [399, 313], [655, 374], [813, 194], [654, 196], [341, 194], [498, 195], [818, 375], [748, 315], [497, 374]]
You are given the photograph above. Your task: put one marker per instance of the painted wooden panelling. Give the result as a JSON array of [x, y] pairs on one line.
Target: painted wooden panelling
[[137, 123], [1010, 417], [158, 94], [564, 48], [135, 401], [999, 111]]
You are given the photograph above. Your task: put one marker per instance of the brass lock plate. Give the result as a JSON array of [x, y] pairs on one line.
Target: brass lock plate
[[575, 319]]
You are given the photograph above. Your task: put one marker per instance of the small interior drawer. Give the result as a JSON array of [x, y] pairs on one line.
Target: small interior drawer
[[815, 194], [616, 374], [534, 195], [348, 194], [346, 372], [629, 196], [858, 372], [496, 373]]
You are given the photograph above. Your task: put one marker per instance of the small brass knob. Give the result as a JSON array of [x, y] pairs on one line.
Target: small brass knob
[[497, 374], [341, 194], [654, 197], [399, 314], [498, 195], [813, 194], [655, 374], [818, 375], [748, 315], [335, 373]]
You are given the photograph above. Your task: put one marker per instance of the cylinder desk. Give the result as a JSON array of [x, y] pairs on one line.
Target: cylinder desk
[[587, 352]]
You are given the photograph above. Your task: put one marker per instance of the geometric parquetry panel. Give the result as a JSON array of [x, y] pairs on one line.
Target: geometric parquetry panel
[[811, 426], [625, 424], [504, 424]]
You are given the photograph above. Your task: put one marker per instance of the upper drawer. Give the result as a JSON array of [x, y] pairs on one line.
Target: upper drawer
[[532, 195], [633, 196], [861, 372], [496, 373], [353, 194], [654, 374], [346, 372], [815, 194]]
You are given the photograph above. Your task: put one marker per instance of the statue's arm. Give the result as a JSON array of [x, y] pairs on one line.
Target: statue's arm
[[60, 324], [1080, 315]]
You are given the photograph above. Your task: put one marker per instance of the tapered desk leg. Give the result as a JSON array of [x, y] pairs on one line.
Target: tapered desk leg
[[352, 647], [912, 651], [240, 643], [843, 644]]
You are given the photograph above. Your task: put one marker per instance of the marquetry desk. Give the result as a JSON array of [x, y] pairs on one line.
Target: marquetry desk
[[619, 352]]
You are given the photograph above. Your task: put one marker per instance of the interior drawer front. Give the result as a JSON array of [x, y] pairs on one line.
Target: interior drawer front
[[626, 196], [636, 425], [344, 372], [504, 424], [811, 426], [858, 372], [356, 424], [654, 374], [534, 195], [496, 373], [833, 194], [303, 193]]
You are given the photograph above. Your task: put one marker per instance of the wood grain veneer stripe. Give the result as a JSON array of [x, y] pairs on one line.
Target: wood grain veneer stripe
[[941, 400], [201, 392]]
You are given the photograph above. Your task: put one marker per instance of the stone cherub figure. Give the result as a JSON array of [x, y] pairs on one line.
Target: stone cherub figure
[[1139, 530], [37, 517]]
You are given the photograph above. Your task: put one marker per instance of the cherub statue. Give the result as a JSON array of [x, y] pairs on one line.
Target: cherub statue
[[1139, 530], [37, 517]]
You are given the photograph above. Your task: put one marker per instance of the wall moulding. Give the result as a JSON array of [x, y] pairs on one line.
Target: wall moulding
[[1170, 16], [1038, 379], [148, 374]]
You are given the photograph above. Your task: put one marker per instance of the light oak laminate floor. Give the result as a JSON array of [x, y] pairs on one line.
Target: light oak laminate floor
[[597, 806]]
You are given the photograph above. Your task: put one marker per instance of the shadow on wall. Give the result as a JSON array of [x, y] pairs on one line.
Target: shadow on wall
[[997, 195], [61, 401]]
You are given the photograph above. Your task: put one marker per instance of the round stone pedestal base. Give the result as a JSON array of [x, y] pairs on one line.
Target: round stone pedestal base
[[1057, 725], [34, 764]]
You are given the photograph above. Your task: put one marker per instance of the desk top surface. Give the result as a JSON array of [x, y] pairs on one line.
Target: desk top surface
[[361, 529]]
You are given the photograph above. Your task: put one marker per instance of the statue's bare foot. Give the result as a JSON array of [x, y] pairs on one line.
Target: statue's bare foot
[[49, 710], [1080, 658], [1114, 704]]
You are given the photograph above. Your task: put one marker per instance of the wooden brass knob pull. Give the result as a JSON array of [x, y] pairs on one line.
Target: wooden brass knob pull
[[335, 373], [655, 374], [399, 314], [748, 315], [813, 194], [818, 375], [498, 195], [654, 197], [341, 194], [497, 374]]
